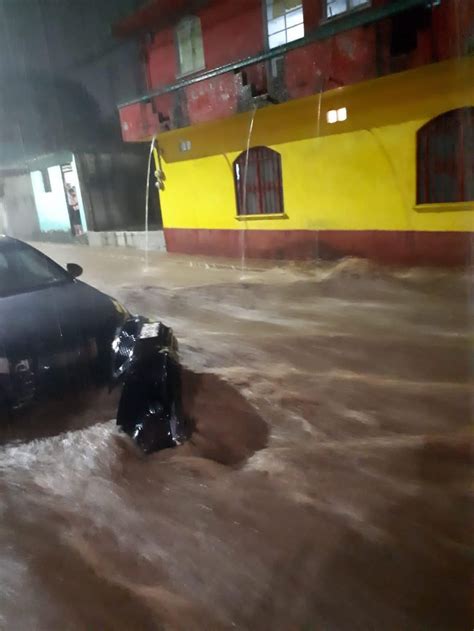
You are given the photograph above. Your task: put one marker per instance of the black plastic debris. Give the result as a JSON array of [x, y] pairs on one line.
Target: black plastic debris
[[145, 362]]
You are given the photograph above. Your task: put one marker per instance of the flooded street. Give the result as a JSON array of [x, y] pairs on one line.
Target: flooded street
[[326, 485]]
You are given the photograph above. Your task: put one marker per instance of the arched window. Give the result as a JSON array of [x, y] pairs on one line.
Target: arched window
[[445, 150], [258, 182], [190, 46]]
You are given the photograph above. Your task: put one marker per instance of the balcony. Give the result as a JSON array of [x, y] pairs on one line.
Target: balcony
[[210, 99], [337, 53]]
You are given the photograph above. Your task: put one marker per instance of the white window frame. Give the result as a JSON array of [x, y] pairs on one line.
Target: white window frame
[[287, 25], [350, 6], [199, 63]]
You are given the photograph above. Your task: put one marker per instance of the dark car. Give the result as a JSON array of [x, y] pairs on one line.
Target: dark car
[[55, 331], [58, 333]]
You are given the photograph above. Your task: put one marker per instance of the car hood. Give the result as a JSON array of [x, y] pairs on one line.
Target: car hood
[[53, 317]]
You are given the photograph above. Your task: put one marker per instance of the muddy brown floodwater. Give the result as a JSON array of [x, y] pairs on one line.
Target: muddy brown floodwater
[[326, 485]]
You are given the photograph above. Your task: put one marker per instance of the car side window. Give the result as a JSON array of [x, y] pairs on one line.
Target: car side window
[[24, 269], [33, 265]]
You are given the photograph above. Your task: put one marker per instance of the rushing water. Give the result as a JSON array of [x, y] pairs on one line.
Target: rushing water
[[245, 192], [147, 199], [326, 484]]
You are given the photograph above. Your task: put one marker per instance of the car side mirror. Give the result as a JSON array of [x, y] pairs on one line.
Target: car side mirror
[[74, 269]]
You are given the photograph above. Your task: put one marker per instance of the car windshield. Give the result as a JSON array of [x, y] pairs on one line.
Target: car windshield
[[24, 269]]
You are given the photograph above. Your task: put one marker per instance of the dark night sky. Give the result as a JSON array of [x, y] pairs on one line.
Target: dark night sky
[[47, 43], [71, 38]]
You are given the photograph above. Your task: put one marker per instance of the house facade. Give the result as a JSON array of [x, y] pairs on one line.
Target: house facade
[[307, 129], [64, 195]]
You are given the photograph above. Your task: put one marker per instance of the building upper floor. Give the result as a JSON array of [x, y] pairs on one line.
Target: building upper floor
[[211, 59]]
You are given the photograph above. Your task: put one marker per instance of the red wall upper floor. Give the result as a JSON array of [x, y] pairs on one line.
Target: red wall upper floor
[[235, 30]]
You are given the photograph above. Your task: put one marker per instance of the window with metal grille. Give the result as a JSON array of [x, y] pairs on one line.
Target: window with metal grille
[[190, 45], [445, 158], [258, 182], [337, 7], [285, 21]]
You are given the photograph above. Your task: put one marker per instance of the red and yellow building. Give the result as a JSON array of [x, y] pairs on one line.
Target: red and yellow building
[[319, 128]]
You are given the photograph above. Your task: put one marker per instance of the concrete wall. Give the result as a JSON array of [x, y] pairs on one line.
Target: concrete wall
[[51, 206], [128, 239], [18, 216]]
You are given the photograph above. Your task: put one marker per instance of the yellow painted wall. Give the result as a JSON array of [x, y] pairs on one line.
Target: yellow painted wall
[[361, 180]]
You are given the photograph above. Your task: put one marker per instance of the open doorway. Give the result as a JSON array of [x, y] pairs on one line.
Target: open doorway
[[71, 192]]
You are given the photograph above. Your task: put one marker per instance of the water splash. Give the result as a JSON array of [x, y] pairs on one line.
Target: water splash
[[318, 132], [147, 201], [320, 101], [244, 197]]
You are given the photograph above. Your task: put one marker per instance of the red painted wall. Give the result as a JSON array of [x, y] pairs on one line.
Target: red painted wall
[[385, 246], [214, 98], [234, 30], [344, 59], [137, 122], [230, 31], [453, 24], [161, 59]]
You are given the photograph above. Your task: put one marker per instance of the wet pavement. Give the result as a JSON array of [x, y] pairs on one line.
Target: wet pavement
[[326, 485]]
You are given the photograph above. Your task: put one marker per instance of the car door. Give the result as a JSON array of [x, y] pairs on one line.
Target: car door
[[65, 350], [29, 339], [29, 328]]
